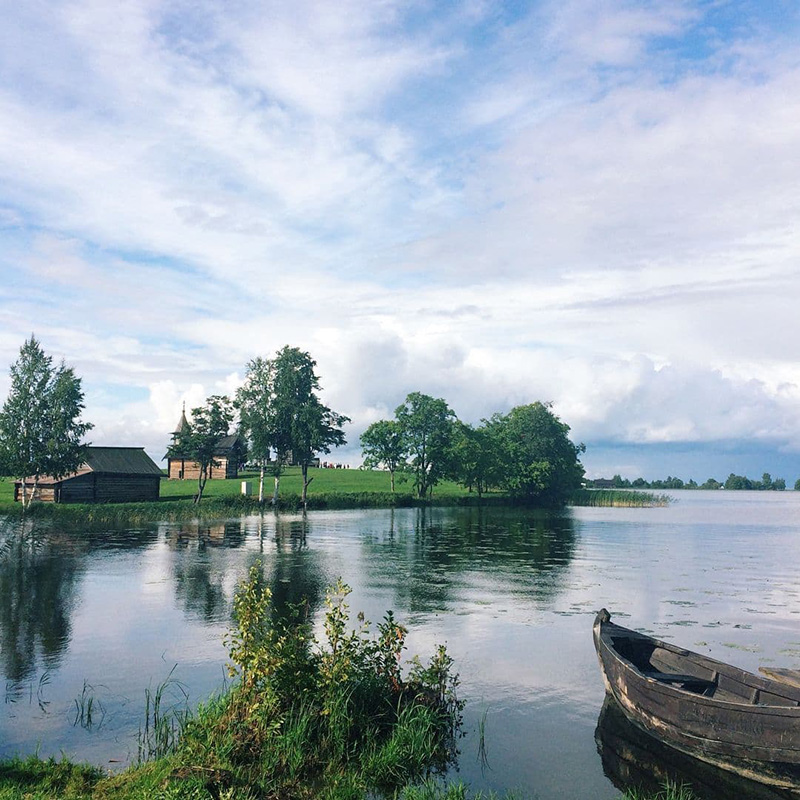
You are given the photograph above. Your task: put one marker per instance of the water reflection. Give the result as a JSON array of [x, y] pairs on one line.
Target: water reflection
[[41, 568], [427, 562], [634, 760], [202, 584], [513, 594], [205, 581], [295, 574]]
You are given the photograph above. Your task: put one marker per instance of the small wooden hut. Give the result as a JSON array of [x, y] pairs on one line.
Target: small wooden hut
[[109, 475], [228, 456]]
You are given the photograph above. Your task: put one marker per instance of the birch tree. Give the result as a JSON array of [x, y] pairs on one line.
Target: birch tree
[[40, 429], [255, 401], [309, 425]]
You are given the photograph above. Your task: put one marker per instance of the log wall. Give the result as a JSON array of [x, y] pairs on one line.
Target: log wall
[[96, 487], [183, 469]]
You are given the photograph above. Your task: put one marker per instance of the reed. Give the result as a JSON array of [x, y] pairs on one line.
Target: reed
[[89, 711], [618, 498], [164, 721]]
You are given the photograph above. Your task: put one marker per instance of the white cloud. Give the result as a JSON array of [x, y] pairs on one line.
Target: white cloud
[[560, 203]]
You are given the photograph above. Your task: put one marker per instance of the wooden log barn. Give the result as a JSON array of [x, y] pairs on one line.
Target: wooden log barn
[[109, 475]]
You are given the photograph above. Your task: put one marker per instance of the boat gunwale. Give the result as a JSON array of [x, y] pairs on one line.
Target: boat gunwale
[[787, 691]]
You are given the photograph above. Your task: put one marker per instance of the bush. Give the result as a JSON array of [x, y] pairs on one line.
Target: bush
[[305, 713]]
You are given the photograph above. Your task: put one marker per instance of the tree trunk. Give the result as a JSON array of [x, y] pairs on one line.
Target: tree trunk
[[201, 485], [275, 493], [306, 481], [27, 499], [391, 478], [261, 486]]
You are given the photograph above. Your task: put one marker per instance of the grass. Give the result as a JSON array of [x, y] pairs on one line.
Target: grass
[[335, 718], [330, 488], [670, 791]]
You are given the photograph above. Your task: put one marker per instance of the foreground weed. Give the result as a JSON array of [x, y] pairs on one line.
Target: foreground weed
[[335, 719], [337, 714], [89, 711], [670, 791], [163, 722]]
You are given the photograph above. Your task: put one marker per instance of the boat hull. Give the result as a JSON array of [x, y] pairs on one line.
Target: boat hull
[[727, 717], [635, 761]]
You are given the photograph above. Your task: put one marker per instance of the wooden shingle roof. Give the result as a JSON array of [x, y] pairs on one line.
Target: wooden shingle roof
[[122, 460], [116, 460]]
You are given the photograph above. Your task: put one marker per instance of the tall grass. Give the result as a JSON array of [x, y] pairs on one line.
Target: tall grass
[[618, 498], [164, 721], [89, 711], [670, 791]]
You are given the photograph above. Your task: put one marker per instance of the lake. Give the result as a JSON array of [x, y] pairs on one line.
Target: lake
[[90, 619]]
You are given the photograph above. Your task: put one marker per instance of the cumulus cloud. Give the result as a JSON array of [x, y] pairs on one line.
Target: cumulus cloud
[[589, 203]]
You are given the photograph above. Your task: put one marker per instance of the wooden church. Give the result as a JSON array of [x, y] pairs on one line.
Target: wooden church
[[228, 456]]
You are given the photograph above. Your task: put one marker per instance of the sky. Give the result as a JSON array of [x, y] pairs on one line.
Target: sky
[[593, 203]]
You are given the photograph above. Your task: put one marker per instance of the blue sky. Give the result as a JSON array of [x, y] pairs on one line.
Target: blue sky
[[593, 203]]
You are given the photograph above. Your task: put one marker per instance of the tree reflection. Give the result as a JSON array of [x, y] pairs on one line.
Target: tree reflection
[[206, 579], [202, 584], [295, 575], [425, 558], [41, 567]]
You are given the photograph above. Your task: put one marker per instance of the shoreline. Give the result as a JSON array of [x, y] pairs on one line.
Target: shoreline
[[170, 509]]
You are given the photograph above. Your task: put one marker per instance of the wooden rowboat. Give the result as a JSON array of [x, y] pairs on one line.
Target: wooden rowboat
[[707, 709]]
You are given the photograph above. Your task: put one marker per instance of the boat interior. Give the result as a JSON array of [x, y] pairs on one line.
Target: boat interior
[[693, 673]]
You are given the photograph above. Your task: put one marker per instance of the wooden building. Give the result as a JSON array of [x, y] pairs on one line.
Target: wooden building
[[109, 475], [229, 456]]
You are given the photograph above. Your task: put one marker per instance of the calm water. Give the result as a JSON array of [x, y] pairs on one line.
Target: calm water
[[104, 614]]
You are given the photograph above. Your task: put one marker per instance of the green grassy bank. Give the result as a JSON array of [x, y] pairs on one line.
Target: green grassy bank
[[329, 489]]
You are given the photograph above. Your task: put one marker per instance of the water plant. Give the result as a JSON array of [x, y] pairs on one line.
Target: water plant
[[89, 711], [163, 724], [618, 498]]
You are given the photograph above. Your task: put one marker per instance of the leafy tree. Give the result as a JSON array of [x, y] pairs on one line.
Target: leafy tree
[[198, 442], [477, 459], [427, 424], [779, 485], [738, 482], [711, 483], [542, 463], [383, 444], [766, 481], [259, 422], [309, 426], [40, 429], [797, 485]]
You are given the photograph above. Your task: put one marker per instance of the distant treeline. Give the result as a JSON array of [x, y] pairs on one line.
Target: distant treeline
[[731, 482]]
